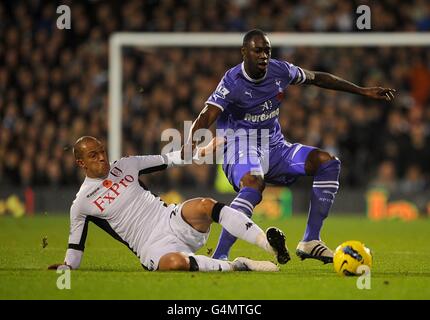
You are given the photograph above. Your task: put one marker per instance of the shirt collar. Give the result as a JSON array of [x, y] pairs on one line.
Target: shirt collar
[[94, 180], [248, 77]]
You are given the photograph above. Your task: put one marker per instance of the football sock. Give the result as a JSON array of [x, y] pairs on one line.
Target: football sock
[[324, 189], [245, 201], [240, 226], [203, 263]]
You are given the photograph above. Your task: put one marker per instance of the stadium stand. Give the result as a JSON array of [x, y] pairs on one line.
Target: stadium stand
[[53, 86]]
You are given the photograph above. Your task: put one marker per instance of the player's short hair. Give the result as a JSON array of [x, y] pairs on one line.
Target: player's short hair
[[77, 148], [251, 34]]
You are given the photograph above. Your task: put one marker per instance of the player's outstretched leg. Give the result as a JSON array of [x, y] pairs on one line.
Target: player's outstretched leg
[[245, 264], [201, 212], [324, 189], [247, 198], [179, 261], [203, 263], [239, 225]]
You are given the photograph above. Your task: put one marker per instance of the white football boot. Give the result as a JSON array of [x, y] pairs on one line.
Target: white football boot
[[245, 264], [314, 249]]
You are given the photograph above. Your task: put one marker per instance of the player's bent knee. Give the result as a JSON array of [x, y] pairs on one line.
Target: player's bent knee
[[206, 205], [324, 156], [253, 181], [174, 262], [316, 158]]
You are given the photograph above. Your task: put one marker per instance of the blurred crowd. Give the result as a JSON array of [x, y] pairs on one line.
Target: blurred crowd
[[53, 86]]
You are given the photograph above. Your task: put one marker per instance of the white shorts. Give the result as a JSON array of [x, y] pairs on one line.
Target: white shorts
[[173, 234]]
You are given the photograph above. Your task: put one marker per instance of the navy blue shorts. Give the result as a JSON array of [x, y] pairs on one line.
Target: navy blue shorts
[[282, 164]]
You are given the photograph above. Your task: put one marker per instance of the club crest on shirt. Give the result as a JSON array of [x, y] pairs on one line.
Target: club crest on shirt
[[117, 172], [280, 95]]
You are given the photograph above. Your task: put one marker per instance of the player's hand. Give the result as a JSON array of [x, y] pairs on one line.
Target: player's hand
[[213, 146], [380, 93], [55, 266]]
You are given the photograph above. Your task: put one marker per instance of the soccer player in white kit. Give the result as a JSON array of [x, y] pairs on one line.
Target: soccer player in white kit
[[163, 237]]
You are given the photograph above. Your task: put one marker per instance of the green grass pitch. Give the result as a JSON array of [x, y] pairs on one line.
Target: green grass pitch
[[110, 271]]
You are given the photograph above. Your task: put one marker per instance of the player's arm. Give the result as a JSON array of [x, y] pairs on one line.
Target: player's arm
[[153, 163], [205, 119], [330, 81], [77, 238]]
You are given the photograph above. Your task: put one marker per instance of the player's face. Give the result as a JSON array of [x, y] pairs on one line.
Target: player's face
[[95, 160], [256, 55]]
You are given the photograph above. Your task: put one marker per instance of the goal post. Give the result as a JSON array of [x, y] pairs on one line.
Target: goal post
[[175, 39]]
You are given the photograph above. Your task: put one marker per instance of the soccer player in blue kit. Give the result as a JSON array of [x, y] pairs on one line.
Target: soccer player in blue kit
[[248, 99]]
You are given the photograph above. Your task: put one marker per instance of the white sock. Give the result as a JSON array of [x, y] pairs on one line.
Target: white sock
[[209, 264], [240, 226]]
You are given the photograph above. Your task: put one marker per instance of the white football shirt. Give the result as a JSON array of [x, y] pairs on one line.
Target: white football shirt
[[119, 204]]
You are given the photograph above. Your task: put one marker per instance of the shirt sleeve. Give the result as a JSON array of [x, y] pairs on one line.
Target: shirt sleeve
[[222, 96], [154, 163], [78, 229], [293, 74], [77, 238], [73, 258]]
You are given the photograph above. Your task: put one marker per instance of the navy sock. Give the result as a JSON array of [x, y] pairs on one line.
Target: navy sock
[[324, 189]]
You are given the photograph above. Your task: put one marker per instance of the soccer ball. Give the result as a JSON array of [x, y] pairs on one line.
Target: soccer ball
[[349, 256]]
